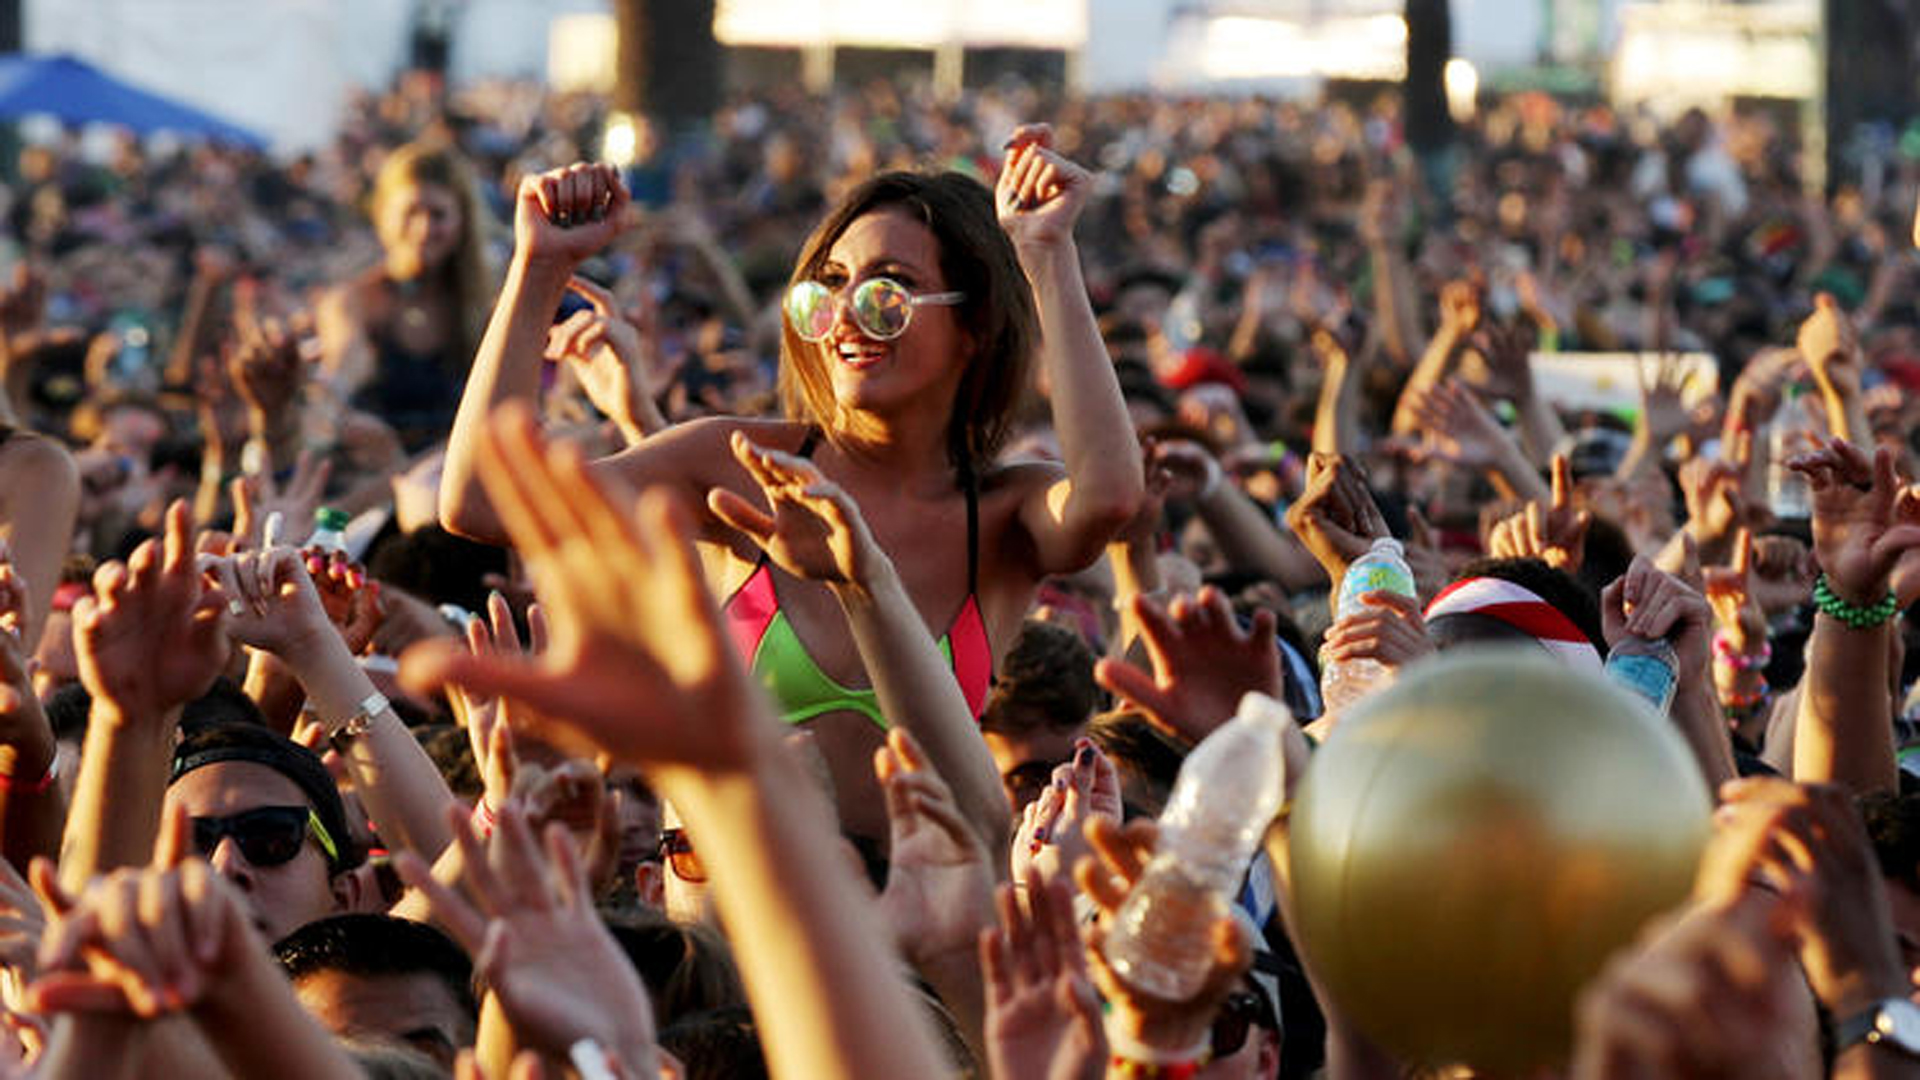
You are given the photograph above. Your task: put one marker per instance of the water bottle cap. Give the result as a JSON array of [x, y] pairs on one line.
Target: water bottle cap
[[1388, 544], [331, 519]]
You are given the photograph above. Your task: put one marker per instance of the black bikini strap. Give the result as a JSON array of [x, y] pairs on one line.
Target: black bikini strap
[[973, 531], [806, 444]]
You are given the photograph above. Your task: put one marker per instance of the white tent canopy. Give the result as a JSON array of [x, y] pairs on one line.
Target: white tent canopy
[[284, 67]]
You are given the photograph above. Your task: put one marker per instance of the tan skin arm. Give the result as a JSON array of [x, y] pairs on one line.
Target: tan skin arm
[[1039, 195], [39, 499], [637, 646], [1864, 524]]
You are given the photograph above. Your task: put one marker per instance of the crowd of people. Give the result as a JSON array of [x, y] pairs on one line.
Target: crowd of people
[[472, 611]]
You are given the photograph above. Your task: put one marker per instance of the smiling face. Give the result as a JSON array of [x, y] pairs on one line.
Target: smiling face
[[923, 365], [932, 232]]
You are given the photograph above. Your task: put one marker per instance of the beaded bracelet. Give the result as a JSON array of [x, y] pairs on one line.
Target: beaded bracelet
[[1854, 615], [1724, 652], [1733, 701]]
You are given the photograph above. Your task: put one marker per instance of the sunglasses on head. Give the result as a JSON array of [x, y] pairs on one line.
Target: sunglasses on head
[[882, 307], [677, 851], [266, 836], [1239, 1014]]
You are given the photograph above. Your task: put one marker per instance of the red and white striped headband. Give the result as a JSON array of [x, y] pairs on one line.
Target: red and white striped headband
[[1522, 609]]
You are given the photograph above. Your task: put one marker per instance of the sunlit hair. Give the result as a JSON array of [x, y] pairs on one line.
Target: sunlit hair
[[998, 317], [436, 162]]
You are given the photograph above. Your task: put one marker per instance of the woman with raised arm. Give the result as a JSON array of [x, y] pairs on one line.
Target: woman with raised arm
[[911, 321]]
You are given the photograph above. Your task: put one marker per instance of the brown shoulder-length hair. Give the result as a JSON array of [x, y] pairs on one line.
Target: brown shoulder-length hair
[[998, 314]]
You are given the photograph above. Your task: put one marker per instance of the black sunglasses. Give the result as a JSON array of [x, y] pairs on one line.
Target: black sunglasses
[[1239, 1014], [267, 835]]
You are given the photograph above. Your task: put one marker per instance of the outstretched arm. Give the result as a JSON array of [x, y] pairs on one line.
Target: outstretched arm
[[639, 668], [560, 218], [817, 532], [1864, 523], [274, 606], [1039, 195], [148, 641]]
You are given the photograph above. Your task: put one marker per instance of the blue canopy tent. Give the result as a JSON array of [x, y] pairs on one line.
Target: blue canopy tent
[[75, 92]]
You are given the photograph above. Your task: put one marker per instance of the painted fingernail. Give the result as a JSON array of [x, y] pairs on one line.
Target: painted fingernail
[[1083, 757], [315, 564], [356, 579], [1059, 783]]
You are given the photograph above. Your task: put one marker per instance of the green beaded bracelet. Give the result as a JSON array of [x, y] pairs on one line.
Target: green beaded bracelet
[[1860, 618]]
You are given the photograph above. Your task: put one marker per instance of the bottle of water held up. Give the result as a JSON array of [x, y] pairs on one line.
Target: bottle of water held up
[[329, 530], [1382, 569], [1648, 667], [1229, 788], [1792, 432]]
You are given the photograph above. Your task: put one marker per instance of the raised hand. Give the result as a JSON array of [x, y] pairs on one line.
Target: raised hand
[[1663, 415], [1781, 573], [1051, 836], [1156, 1023], [489, 720], [815, 531], [1389, 629], [145, 941], [1555, 534], [1831, 348], [265, 367], [1203, 663], [1864, 521], [638, 664], [535, 937], [1043, 1017], [1460, 310], [1040, 193], [270, 599], [1698, 996], [149, 639], [1807, 843], [256, 498], [1646, 602], [939, 891], [610, 356], [1729, 591], [564, 215], [1190, 472], [1457, 428], [1716, 505], [1336, 517]]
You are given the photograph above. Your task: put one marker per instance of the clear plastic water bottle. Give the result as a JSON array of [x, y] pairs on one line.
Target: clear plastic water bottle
[[1647, 666], [1229, 788], [329, 530], [1792, 432], [1382, 569]]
